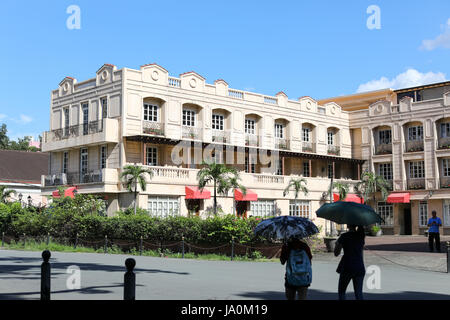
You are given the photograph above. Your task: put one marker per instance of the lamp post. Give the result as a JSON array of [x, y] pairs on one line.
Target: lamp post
[[30, 201], [20, 198]]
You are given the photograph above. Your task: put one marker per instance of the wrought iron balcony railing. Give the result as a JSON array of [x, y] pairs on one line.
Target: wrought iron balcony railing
[[154, 128], [74, 131], [191, 132], [414, 146], [383, 149], [334, 150], [445, 182], [281, 143], [71, 178], [416, 183], [251, 140], [444, 143], [308, 147], [220, 136]]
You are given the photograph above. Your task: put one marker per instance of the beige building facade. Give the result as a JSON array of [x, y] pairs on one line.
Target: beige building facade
[[171, 124]]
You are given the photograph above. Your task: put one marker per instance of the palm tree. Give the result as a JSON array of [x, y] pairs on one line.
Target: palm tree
[[224, 178], [342, 189], [370, 184], [5, 194], [298, 185], [133, 176]]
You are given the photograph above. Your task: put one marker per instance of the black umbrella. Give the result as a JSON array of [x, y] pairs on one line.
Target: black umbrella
[[349, 213], [286, 227]]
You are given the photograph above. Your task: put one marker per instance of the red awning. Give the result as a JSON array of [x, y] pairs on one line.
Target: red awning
[[398, 198], [351, 197], [69, 192], [249, 196], [195, 193]]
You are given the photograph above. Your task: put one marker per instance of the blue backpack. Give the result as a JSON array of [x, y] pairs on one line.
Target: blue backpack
[[298, 269]]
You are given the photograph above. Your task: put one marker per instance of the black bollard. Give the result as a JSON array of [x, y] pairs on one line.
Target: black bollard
[[232, 248], [106, 243], [3, 239], [45, 275], [448, 256], [140, 246], [48, 238], [182, 248], [129, 286]]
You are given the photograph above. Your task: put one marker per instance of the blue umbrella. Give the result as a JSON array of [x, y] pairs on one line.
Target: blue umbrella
[[286, 227]]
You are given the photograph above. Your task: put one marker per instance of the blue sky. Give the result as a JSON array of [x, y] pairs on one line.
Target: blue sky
[[315, 48]]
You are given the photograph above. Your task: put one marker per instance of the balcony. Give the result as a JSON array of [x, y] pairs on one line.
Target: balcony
[[191, 133], [444, 143], [414, 146], [220, 136], [416, 184], [334, 150], [71, 178], [153, 128], [308, 147], [251, 140], [91, 133], [445, 182], [381, 149], [281, 143]]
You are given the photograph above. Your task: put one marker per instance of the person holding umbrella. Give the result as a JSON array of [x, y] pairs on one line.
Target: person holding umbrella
[[295, 253], [351, 266]]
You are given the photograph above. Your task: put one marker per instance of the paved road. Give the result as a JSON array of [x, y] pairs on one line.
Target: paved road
[[164, 278]]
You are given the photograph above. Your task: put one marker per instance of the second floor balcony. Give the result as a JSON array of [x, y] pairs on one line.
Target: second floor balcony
[[220, 136], [193, 133], [281, 143], [333, 150], [308, 147], [383, 148], [251, 140], [444, 143], [445, 182], [71, 178], [416, 183], [153, 128], [414, 146]]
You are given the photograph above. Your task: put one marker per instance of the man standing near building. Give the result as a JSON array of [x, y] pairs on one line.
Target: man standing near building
[[433, 233]]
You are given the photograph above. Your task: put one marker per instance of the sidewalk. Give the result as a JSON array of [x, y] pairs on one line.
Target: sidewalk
[[405, 251]]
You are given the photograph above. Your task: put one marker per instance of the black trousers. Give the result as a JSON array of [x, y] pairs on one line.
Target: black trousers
[[434, 237]]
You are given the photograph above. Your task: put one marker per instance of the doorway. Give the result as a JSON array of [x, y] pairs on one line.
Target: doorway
[[194, 206], [242, 208], [407, 221]]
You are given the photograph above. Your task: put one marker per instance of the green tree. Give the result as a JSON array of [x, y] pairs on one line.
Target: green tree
[[134, 175], [370, 184], [4, 140], [342, 189], [297, 185], [223, 178], [5, 194]]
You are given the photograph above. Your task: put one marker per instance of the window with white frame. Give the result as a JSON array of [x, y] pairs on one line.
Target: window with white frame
[[279, 131], [65, 161], [330, 138], [104, 105], [162, 206], [330, 170], [384, 137], [85, 111], [249, 126], [83, 160], [416, 170], [423, 213], [262, 208], [445, 129], [66, 118], [150, 112], [306, 169], [386, 211], [250, 164], [217, 122], [188, 118], [415, 133], [151, 156], [385, 170], [300, 208], [446, 213], [446, 167], [306, 134], [103, 156]]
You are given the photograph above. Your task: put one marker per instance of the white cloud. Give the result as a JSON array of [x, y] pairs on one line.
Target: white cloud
[[442, 40], [2, 116], [25, 119], [409, 78]]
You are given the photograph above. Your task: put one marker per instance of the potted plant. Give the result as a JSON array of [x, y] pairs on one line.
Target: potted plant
[[375, 231], [330, 242]]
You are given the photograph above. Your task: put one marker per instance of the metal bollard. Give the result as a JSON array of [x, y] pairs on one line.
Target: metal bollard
[[106, 244], [140, 246], [232, 248], [48, 238], [448, 256], [76, 241], [3, 239], [45, 275], [182, 247], [129, 286]]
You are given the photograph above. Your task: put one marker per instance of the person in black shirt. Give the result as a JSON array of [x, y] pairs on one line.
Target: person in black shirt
[[351, 266], [285, 251]]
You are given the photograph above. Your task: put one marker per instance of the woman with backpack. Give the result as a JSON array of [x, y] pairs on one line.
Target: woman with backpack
[[298, 276], [351, 267]]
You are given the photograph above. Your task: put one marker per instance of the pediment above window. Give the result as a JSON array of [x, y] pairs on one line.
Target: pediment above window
[[105, 74], [154, 73]]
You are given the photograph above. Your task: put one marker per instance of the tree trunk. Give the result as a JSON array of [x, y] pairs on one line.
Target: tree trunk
[[333, 232], [135, 199], [215, 199]]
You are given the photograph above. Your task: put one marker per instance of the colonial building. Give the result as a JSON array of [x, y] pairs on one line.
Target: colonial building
[[171, 124], [405, 137]]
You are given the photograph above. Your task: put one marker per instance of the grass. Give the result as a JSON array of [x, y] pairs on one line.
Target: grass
[[32, 245]]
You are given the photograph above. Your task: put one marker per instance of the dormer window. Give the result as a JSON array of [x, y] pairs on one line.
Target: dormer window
[[150, 112]]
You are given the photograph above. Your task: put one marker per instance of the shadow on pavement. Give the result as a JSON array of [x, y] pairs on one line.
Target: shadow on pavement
[[314, 294]]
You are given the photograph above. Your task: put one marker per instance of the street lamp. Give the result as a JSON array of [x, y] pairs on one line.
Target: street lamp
[[20, 197], [30, 202]]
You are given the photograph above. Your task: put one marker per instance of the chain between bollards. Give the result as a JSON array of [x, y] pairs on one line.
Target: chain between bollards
[[232, 248], [129, 285], [45, 275]]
